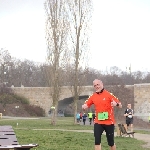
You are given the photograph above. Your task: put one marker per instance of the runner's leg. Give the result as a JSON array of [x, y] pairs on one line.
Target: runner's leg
[[98, 130], [110, 136]]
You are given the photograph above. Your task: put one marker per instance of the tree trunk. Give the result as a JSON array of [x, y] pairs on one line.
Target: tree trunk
[[54, 116], [75, 107]]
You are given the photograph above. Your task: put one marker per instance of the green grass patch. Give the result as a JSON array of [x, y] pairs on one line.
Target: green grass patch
[[65, 140], [44, 123], [41, 132], [142, 131]]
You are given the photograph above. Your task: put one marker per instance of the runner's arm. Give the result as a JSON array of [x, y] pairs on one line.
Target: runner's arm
[[87, 103], [115, 101]]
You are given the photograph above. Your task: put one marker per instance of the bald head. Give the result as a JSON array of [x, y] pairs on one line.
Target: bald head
[[96, 80], [98, 85]]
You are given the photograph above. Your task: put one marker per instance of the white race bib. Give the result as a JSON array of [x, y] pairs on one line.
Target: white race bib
[[130, 116]]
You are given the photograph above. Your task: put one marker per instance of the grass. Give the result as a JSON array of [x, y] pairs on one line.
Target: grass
[[142, 131], [40, 131]]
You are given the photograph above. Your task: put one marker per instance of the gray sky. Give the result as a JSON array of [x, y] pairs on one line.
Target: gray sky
[[22, 26], [120, 32]]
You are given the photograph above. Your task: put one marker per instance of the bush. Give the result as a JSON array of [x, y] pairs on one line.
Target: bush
[[35, 110], [68, 115], [7, 98]]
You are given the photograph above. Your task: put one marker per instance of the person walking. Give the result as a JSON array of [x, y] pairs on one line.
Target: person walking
[[129, 117], [84, 118], [104, 103], [90, 117], [78, 117]]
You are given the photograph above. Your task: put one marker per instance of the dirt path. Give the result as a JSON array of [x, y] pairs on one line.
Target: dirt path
[[138, 136], [143, 137]]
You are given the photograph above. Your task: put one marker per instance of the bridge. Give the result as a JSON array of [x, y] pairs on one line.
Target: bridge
[[41, 96]]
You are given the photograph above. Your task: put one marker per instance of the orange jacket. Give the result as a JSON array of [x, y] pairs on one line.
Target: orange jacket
[[102, 103]]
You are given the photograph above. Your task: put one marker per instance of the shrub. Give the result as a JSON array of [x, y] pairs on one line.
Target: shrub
[[34, 110], [7, 98]]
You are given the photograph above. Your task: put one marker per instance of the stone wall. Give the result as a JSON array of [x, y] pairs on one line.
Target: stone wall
[[142, 100], [37, 96], [41, 97]]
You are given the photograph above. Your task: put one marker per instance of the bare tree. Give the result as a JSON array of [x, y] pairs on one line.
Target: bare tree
[[56, 38], [80, 23], [5, 62]]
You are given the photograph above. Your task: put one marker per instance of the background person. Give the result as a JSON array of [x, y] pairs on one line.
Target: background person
[[84, 118], [90, 117], [78, 117], [129, 117], [104, 120]]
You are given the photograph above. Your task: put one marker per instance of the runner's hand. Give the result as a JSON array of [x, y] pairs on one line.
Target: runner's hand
[[113, 103], [84, 106]]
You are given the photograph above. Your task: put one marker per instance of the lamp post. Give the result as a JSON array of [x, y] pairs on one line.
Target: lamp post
[[17, 108]]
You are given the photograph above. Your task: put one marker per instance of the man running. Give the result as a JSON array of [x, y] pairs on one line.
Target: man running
[[104, 120]]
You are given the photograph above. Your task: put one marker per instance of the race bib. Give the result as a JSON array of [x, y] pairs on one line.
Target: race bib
[[129, 116], [103, 116]]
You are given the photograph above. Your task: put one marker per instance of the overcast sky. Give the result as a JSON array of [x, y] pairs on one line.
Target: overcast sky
[[120, 32]]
